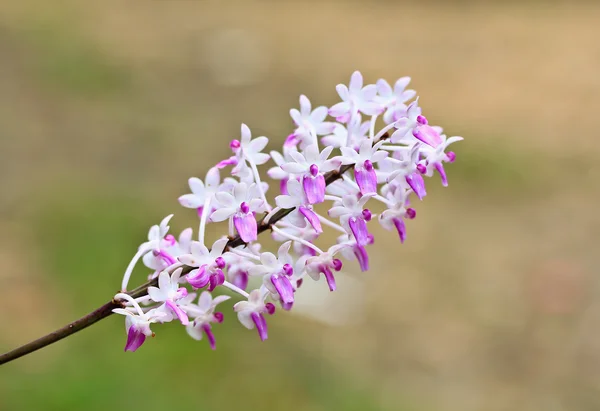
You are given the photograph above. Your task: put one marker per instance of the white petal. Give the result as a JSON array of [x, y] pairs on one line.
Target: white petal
[[245, 319], [205, 301], [213, 178], [384, 89], [296, 116], [191, 201], [305, 105], [156, 294], [218, 247], [356, 81], [349, 154], [164, 225], [194, 332], [257, 145], [257, 270], [222, 214], [284, 249], [276, 173], [246, 134], [268, 259], [325, 153], [240, 192], [164, 281], [277, 157], [339, 211], [198, 249], [297, 157], [311, 153], [189, 259], [378, 156], [197, 186], [219, 299], [154, 233], [285, 201], [257, 205], [225, 199], [293, 168], [260, 158], [176, 275]]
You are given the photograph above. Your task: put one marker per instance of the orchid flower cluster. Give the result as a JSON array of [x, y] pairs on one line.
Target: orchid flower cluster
[[328, 172]]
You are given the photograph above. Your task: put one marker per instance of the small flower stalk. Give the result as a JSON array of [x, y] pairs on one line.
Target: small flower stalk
[[376, 147]]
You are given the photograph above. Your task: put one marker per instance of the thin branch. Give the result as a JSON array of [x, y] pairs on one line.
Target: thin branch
[[142, 290], [63, 332]]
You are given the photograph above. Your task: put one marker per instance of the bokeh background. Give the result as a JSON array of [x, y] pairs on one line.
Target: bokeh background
[[493, 303]]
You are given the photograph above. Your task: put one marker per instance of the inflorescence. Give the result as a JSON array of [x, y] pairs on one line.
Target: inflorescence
[[318, 190]]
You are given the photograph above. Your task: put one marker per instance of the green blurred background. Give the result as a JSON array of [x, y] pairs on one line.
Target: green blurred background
[[493, 303]]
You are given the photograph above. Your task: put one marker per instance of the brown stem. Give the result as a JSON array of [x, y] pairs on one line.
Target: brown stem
[[142, 290], [63, 332]]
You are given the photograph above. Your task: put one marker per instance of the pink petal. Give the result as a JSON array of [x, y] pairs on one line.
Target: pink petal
[[428, 135], [240, 280], [284, 289], [312, 219], [261, 325], [366, 180], [135, 339], [363, 258], [181, 315], [199, 278], [216, 279], [329, 277], [440, 169], [314, 188], [359, 230], [417, 183], [209, 335], [401, 228], [246, 227]]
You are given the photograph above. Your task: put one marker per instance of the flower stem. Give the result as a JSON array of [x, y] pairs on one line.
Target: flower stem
[[72, 328], [106, 310]]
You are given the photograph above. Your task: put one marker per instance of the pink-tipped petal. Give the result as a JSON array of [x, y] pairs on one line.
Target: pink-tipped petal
[[314, 188], [206, 328], [440, 169], [291, 141], [246, 227], [261, 325], [312, 219], [198, 278], [240, 280], [283, 187], [401, 228], [181, 315], [166, 257], [417, 184], [216, 279], [231, 161], [366, 180], [363, 258], [284, 289], [427, 135], [329, 277], [359, 230], [135, 339]]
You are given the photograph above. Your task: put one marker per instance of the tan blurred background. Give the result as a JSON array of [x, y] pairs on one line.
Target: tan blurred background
[[492, 304]]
